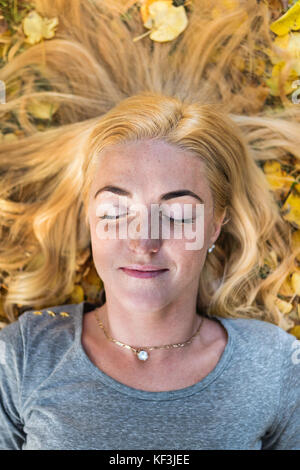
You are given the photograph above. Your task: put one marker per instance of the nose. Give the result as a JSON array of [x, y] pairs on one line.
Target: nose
[[144, 245], [140, 243]]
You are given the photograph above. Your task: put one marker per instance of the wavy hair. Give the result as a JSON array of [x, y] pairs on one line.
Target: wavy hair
[[112, 89]]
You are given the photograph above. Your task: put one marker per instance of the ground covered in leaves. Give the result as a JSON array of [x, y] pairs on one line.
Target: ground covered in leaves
[[21, 27]]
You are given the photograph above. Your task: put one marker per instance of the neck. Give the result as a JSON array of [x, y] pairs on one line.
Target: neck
[[172, 324]]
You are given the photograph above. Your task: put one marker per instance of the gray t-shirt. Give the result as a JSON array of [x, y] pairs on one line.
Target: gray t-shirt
[[53, 397]]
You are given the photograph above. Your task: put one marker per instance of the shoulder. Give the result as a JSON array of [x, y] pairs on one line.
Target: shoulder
[[35, 344], [35, 326], [55, 316], [261, 337], [254, 328]]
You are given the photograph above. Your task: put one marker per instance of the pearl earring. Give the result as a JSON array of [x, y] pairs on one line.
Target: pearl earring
[[211, 248]]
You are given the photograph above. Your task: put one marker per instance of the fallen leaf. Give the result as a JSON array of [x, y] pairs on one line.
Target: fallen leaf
[[295, 282], [42, 109], [283, 306], [36, 28], [77, 295], [296, 241], [291, 44], [277, 178], [273, 81], [291, 209], [287, 22], [9, 137], [164, 20], [286, 288], [295, 331]]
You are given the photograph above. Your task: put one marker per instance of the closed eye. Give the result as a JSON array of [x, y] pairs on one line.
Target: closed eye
[[177, 221]]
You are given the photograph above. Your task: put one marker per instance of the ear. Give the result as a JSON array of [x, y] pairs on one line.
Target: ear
[[217, 228]]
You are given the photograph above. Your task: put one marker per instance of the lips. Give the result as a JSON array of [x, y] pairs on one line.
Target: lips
[[147, 268], [142, 273]]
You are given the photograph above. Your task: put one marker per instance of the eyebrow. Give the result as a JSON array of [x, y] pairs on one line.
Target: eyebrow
[[164, 197]]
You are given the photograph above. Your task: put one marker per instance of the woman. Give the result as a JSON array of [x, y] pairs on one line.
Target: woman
[[188, 357]]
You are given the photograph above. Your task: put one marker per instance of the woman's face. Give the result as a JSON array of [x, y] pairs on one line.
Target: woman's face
[[147, 170]]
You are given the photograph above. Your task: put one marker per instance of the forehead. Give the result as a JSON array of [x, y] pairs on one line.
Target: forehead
[[149, 162]]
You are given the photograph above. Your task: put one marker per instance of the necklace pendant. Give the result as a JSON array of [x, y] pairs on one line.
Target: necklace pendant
[[142, 355]]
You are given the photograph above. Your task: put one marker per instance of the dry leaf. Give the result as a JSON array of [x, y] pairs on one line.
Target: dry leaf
[[164, 19], [276, 177], [273, 81], [283, 306], [295, 331], [296, 241], [36, 28], [291, 44], [42, 109], [9, 137], [287, 22], [93, 277], [291, 209], [295, 282], [77, 295], [286, 288]]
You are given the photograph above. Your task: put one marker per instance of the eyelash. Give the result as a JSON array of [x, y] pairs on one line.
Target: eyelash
[[178, 221]]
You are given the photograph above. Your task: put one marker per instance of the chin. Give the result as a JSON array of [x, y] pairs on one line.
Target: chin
[[143, 299]]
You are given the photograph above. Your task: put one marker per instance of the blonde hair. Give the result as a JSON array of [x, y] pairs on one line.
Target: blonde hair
[[112, 90]]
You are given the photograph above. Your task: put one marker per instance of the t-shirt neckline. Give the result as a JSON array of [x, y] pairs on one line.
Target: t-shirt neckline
[[91, 368]]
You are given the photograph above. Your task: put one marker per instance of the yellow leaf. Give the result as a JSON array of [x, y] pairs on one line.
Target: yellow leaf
[[295, 331], [273, 82], [9, 137], [276, 177], [144, 9], [77, 295], [271, 261], [283, 306], [286, 287], [291, 209], [290, 20], [42, 109], [296, 238], [165, 20], [295, 281], [272, 166], [296, 241], [291, 44], [92, 277], [36, 28]]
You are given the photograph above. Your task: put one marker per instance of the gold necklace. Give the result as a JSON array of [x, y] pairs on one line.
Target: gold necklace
[[141, 353]]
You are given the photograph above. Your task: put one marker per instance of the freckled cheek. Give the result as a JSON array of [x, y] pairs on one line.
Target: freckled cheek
[[188, 262], [105, 252]]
